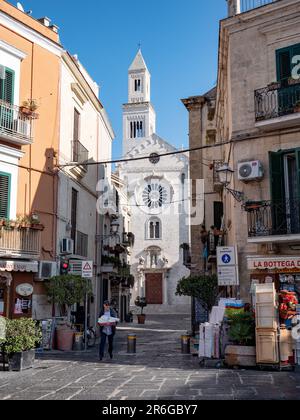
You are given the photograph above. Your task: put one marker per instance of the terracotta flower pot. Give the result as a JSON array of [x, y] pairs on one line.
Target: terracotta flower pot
[[65, 339], [141, 319]]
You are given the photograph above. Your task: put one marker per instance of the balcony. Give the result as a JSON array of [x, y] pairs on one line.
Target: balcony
[[128, 239], [278, 107], [273, 221], [15, 126], [80, 155], [23, 243], [246, 5]]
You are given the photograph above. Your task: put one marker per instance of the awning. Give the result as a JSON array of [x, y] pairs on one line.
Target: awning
[[23, 266]]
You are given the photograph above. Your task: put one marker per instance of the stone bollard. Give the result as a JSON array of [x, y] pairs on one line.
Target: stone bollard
[[185, 344], [131, 344]]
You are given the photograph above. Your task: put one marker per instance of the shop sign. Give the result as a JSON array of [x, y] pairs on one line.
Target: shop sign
[[24, 290], [280, 263], [23, 266], [2, 328]]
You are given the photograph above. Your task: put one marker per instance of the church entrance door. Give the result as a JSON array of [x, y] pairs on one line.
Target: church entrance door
[[154, 289]]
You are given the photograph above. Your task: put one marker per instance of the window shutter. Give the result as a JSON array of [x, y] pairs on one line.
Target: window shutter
[[4, 195], [278, 206], [283, 64], [277, 176], [7, 88]]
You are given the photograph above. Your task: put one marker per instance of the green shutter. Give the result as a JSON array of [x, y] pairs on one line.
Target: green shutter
[[283, 58], [9, 86], [5, 181], [277, 176]]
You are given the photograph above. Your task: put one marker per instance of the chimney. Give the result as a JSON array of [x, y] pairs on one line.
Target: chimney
[[45, 21], [54, 28], [234, 7]]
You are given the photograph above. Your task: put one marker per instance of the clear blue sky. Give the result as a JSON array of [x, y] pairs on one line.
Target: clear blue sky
[[179, 42]]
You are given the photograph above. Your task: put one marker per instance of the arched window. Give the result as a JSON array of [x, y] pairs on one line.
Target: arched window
[[154, 229]]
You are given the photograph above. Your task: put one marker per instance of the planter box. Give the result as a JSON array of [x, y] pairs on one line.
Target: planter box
[[240, 356], [141, 319], [21, 361]]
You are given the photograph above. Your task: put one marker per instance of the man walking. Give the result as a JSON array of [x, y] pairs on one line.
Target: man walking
[[107, 331]]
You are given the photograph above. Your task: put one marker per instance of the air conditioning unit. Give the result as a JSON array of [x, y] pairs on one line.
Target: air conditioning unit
[[67, 246], [47, 270], [250, 171]]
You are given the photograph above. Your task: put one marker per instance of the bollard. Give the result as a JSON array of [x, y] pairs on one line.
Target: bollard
[[185, 344], [131, 344]]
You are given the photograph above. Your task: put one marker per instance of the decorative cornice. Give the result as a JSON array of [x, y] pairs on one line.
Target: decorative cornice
[[12, 50], [11, 151]]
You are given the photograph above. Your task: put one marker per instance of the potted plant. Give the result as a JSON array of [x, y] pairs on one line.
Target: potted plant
[[292, 81], [22, 337], [29, 107], [274, 85], [141, 302], [253, 205], [65, 291], [242, 334]]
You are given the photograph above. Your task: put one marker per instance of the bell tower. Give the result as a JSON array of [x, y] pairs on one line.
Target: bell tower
[[139, 118]]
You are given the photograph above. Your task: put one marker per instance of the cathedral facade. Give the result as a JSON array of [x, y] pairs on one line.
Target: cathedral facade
[[158, 200]]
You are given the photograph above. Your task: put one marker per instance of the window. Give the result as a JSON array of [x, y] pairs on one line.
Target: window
[[288, 60], [155, 196], [285, 190], [154, 229], [136, 129], [5, 182], [7, 79], [137, 85]]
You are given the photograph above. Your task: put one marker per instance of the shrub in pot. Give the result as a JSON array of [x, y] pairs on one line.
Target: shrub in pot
[[66, 291], [242, 335], [141, 302], [22, 337]]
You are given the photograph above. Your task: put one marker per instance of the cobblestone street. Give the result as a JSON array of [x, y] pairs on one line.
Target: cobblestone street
[[157, 372]]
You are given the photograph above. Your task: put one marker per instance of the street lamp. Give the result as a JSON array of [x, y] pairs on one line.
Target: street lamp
[[225, 175], [114, 227]]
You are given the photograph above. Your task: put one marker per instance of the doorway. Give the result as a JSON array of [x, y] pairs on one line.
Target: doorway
[[154, 289]]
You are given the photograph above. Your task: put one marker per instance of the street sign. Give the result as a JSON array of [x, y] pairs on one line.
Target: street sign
[[226, 256], [227, 276], [87, 269], [228, 273]]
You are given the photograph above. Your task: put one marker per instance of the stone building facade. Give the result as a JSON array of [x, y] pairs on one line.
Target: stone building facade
[[257, 124], [156, 188]]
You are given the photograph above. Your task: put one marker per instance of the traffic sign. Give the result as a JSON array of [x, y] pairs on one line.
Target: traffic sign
[[87, 269], [226, 256], [228, 272]]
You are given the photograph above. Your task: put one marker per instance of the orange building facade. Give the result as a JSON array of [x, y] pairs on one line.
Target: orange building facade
[[30, 54]]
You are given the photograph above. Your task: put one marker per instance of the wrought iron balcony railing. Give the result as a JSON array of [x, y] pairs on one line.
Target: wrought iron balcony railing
[[15, 126], [276, 101], [270, 218]]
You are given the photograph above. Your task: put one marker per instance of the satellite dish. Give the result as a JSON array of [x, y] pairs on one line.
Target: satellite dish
[[20, 7]]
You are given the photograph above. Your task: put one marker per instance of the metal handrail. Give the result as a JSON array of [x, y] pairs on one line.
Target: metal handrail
[[277, 217], [14, 122], [277, 100]]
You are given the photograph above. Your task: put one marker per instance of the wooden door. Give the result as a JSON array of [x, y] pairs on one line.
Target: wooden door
[[154, 289]]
